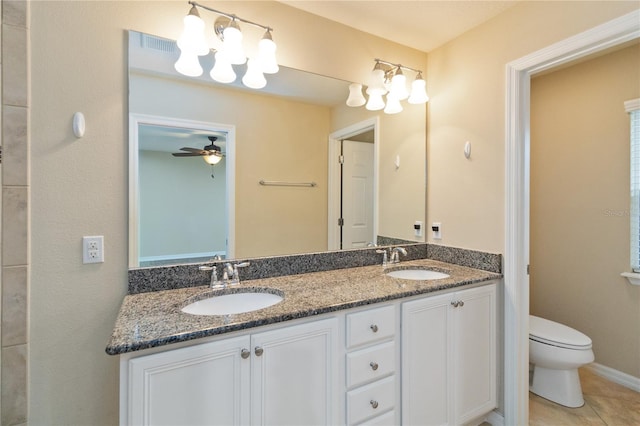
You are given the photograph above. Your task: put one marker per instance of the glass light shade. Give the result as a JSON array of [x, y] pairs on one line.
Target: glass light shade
[[393, 105], [192, 39], [399, 86], [267, 54], [418, 92], [232, 45], [188, 64], [376, 83], [355, 98], [212, 159], [375, 102], [222, 70], [254, 78]]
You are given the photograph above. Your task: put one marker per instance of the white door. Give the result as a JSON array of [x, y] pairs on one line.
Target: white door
[[357, 194], [294, 375], [206, 384]]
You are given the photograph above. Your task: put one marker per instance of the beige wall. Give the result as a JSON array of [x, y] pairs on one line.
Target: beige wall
[[79, 59], [466, 83], [580, 204]]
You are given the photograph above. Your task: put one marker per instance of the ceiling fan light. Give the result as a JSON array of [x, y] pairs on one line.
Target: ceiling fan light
[[355, 98], [418, 91], [212, 159], [222, 71], [254, 78], [192, 39], [267, 54], [188, 64]]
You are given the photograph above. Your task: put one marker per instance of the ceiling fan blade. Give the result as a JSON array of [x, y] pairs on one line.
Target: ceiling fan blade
[[185, 154], [194, 150]]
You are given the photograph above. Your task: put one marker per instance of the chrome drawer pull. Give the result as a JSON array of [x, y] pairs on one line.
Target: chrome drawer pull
[[374, 403], [374, 366], [244, 353], [374, 328], [258, 351]]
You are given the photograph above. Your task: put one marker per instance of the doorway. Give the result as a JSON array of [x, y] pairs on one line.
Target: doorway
[[516, 257], [353, 186]]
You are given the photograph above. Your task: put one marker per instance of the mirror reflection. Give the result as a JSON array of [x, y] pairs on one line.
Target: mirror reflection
[[366, 167]]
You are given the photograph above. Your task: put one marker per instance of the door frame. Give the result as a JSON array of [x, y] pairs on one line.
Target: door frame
[[135, 120], [333, 181], [517, 167]]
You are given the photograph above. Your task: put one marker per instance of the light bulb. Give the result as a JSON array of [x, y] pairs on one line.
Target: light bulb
[[232, 44], [418, 91], [393, 105], [222, 70], [212, 159], [254, 78], [192, 39], [399, 86], [375, 102], [267, 54], [188, 64], [355, 98]]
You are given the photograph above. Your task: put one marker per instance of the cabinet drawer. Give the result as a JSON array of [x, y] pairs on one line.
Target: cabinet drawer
[[369, 400], [370, 363], [386, 419], [370, 325]]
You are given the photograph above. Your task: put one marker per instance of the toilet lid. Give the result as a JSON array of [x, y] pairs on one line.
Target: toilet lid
[[553, 333]]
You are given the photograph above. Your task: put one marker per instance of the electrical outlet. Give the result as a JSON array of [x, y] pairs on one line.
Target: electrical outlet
[[93, 249], [436, 228]]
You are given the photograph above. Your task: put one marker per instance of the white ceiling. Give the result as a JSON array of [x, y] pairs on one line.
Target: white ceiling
[[421, 24]]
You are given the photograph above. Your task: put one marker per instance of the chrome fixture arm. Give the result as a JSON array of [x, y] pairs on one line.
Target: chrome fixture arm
[[230, 16], [391, 64]]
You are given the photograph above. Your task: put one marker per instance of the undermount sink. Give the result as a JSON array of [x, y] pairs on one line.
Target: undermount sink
[[233, 303], [417, 274]]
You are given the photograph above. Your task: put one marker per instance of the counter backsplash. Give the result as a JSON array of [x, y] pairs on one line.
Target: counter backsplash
[[142, 280]]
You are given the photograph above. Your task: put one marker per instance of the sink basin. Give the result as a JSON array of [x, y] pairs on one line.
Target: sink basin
[[417, 274], [232, 303]]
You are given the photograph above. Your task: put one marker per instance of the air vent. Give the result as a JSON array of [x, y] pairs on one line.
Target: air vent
[[159, 44]]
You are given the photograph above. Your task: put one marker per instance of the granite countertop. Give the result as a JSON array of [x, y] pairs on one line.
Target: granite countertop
[[155, 319]]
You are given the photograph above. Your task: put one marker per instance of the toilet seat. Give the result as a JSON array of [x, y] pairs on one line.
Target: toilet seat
[[552, 333]]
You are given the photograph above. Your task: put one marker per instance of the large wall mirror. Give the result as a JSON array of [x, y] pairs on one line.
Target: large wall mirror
[[279, 186]]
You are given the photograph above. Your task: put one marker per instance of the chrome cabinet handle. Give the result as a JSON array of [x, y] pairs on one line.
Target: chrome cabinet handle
[[461, 303], [258, 351], [374, 328], [455, 303], [374, 403], [374, 365], [244, 353]]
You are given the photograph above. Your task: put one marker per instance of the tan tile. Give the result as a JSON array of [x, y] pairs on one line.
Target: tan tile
[[14, 12], [14, 226], [615, 411], [14, 66], [14, 385], [14, 146], [547, 413], [14, 305], [594, 385]]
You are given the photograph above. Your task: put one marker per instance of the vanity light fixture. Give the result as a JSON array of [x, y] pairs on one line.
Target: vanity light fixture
[[388, 79], [192, 44]]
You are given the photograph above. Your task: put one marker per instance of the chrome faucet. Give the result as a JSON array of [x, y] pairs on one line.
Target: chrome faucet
[[385, 258], [214, 283], [230, 275], [395, 254]]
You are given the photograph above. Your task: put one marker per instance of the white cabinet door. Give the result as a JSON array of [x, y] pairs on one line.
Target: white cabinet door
[[475, 353], [425, 361], [206, 384], [449, 357], [294, 375]]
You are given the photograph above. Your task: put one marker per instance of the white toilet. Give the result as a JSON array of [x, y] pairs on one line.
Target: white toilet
[[556, 351]]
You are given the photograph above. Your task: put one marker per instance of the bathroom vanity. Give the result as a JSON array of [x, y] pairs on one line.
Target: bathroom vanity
[[349, 346]]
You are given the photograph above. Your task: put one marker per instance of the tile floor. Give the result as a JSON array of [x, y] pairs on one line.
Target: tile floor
[[606, 403]]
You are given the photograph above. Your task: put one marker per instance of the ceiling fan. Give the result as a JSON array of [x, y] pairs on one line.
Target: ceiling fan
[[212, 154]]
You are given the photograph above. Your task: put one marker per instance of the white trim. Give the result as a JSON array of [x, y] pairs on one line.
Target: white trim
[[516, 258], [134, 197], [632, 105], [333, 185], [495, 418], [209, 254], [616, 376]]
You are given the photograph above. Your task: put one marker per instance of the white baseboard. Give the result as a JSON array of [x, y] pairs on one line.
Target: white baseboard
[[624, 379], [495, 418]]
